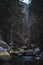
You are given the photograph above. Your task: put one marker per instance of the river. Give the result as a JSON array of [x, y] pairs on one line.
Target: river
[[23, 63]]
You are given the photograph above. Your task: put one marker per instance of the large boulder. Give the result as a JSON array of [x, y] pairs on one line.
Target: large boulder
[[4, 45]]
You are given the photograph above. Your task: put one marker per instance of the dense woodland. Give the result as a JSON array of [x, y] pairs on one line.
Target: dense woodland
[[37, 8], [11, 21]]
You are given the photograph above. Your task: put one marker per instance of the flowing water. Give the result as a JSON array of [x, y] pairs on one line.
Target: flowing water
[[26, 29], [26, 18], [23, 63]]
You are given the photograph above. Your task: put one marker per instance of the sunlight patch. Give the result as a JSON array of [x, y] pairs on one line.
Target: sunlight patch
[[26, 1]]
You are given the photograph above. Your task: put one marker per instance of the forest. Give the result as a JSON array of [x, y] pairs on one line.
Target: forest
[[16, 31]]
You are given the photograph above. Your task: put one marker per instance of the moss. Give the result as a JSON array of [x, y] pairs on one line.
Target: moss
[[5, 54]]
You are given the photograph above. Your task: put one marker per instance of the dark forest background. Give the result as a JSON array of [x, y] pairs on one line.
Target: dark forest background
[[11, 15]]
